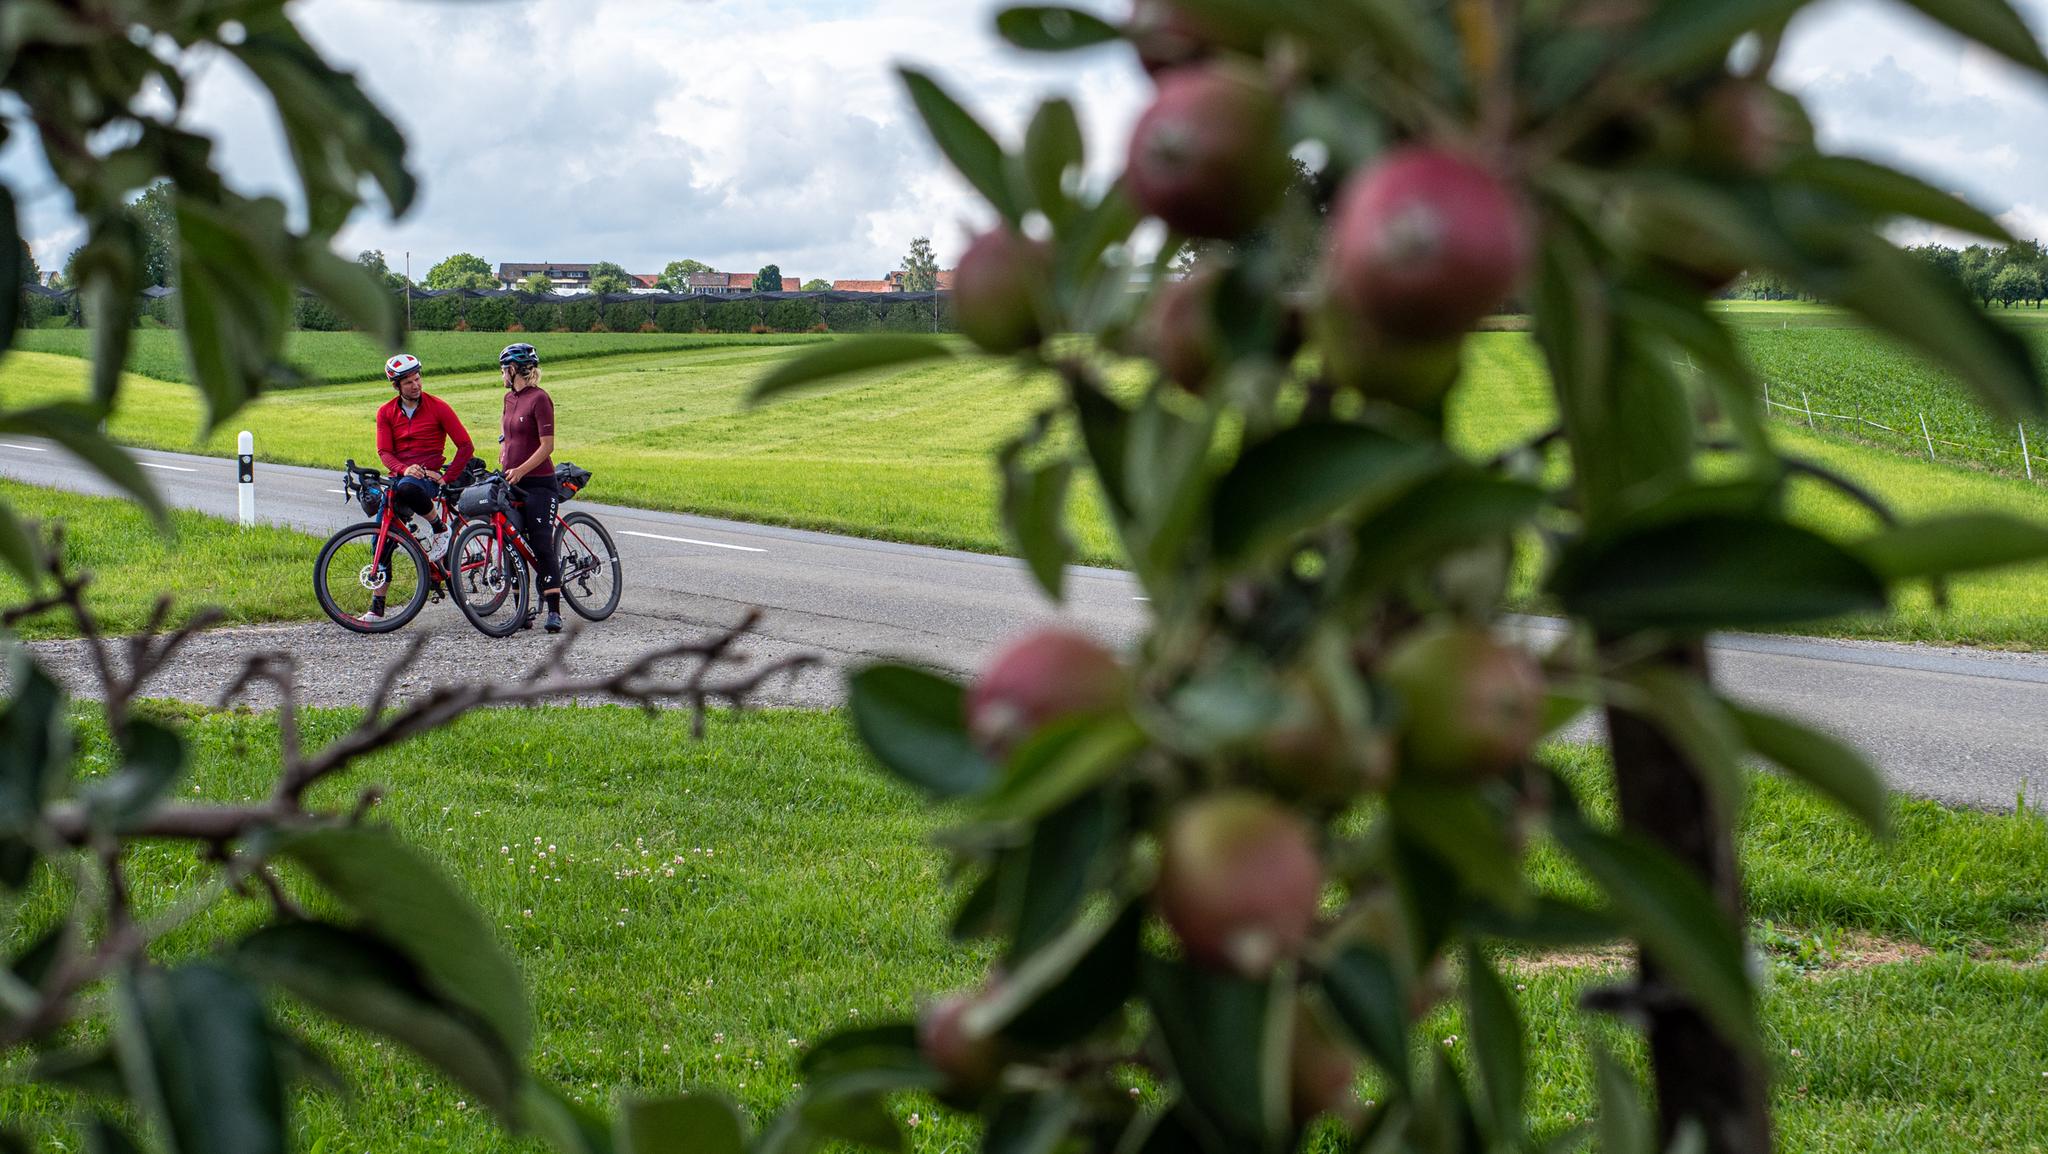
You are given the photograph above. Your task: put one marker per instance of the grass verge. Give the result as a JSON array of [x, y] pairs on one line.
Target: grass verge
[[263, 573], [689, 913]]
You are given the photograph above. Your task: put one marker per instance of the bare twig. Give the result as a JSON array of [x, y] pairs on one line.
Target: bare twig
[[635, 683], [279, 670], [221, 830]]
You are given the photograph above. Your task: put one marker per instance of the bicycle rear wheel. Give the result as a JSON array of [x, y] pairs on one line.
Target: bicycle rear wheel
[[489, 584], [348, 577], [589, 565]]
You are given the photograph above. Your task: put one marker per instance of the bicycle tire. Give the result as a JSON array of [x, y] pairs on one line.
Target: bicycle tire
[[578, 532], [363, 535], [462, 569], [482, 596]]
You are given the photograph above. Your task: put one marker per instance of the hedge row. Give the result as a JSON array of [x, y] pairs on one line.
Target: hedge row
[[786, 314], [521, 312]]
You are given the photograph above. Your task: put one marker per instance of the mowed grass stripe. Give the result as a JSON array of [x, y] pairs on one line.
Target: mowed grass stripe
[[330, 358]]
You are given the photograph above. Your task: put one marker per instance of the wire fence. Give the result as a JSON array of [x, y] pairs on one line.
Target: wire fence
[[2015, 457]]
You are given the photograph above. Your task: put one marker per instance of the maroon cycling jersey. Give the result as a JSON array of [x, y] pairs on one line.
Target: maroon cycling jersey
[[404, 440], [529, 416]]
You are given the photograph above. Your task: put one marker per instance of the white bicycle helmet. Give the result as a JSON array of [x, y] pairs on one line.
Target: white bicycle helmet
[[400, 365]]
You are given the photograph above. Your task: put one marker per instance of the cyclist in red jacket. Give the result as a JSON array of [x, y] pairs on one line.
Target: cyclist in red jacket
[[411, 428]]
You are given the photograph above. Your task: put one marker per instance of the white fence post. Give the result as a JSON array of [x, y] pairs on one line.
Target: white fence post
[[245, 476], [2025, 457], [1929, 437], [1804, 400]]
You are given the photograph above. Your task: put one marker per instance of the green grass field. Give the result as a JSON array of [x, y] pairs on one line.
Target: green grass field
[[689, 914], [338, 358], [263, 573], [1510, 395], [907, 454]]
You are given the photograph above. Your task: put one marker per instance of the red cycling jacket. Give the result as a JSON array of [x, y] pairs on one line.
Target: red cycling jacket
[[404, 441]]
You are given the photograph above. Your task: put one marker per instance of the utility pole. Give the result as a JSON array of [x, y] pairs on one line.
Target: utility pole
[[408, 290]]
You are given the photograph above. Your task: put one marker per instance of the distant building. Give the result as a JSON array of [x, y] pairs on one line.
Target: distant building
[[722, 284], [567, 278], [862, 286], [895, 280]]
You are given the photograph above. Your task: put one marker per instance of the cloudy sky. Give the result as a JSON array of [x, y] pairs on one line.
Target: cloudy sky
[[743, 131]]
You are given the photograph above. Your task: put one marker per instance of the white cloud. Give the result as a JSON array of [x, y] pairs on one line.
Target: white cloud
[[739, 133]]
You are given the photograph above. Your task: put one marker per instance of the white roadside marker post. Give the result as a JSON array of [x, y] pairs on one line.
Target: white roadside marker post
[[245, 476]]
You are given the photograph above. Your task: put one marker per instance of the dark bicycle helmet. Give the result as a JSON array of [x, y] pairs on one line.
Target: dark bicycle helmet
[[519, 354]]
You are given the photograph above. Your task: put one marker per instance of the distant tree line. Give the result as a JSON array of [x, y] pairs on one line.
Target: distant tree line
[[2002, 275]]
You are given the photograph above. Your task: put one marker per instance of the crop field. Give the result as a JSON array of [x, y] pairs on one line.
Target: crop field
[[1865, 388], [692, 914], [341, 358]]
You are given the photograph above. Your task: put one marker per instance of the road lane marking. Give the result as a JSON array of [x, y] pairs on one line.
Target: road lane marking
[[693, 541], [23, 448], [172, 468], [343, 492]]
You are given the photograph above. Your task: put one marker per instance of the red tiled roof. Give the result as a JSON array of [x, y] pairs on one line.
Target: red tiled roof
[[862, 286]]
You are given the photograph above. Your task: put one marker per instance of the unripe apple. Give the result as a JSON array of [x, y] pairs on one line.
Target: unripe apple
[[1167, 35], [1747, 126], [1473, 705], [1425, 242], [1208, 157], [1239, 880], [998, 290], [1312, 755], [1323, 1074], [1679, 245], [1415, 375], [1180, 330], [968, 1063], [1040, 677]]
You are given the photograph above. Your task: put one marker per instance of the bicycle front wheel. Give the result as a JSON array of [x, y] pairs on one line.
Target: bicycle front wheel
[[589, 565], [363, 591], [489, 583]]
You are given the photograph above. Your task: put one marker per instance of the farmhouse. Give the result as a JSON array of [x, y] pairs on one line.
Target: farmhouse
[[895, 280], [728, 283], [567, 278]]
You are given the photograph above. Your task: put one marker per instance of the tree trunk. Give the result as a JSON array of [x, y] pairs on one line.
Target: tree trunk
[[1698, 1074]]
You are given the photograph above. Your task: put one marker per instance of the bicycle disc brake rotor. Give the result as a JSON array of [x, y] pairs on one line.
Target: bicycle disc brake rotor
[[368, 576]]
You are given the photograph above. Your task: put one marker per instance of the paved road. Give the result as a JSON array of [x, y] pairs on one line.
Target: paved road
[[1961, 727]]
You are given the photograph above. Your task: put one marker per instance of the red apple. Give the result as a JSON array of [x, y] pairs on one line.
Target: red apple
[[1239, 881], [1040, 677], [1473, 705], [1426, 242], [1167, 35], [1324, 1072], [969, 1063], [1181, 330], [999, 290], [1208, 157]]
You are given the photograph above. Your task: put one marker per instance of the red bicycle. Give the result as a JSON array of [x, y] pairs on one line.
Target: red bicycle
[[494, 585], [382, 562]]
